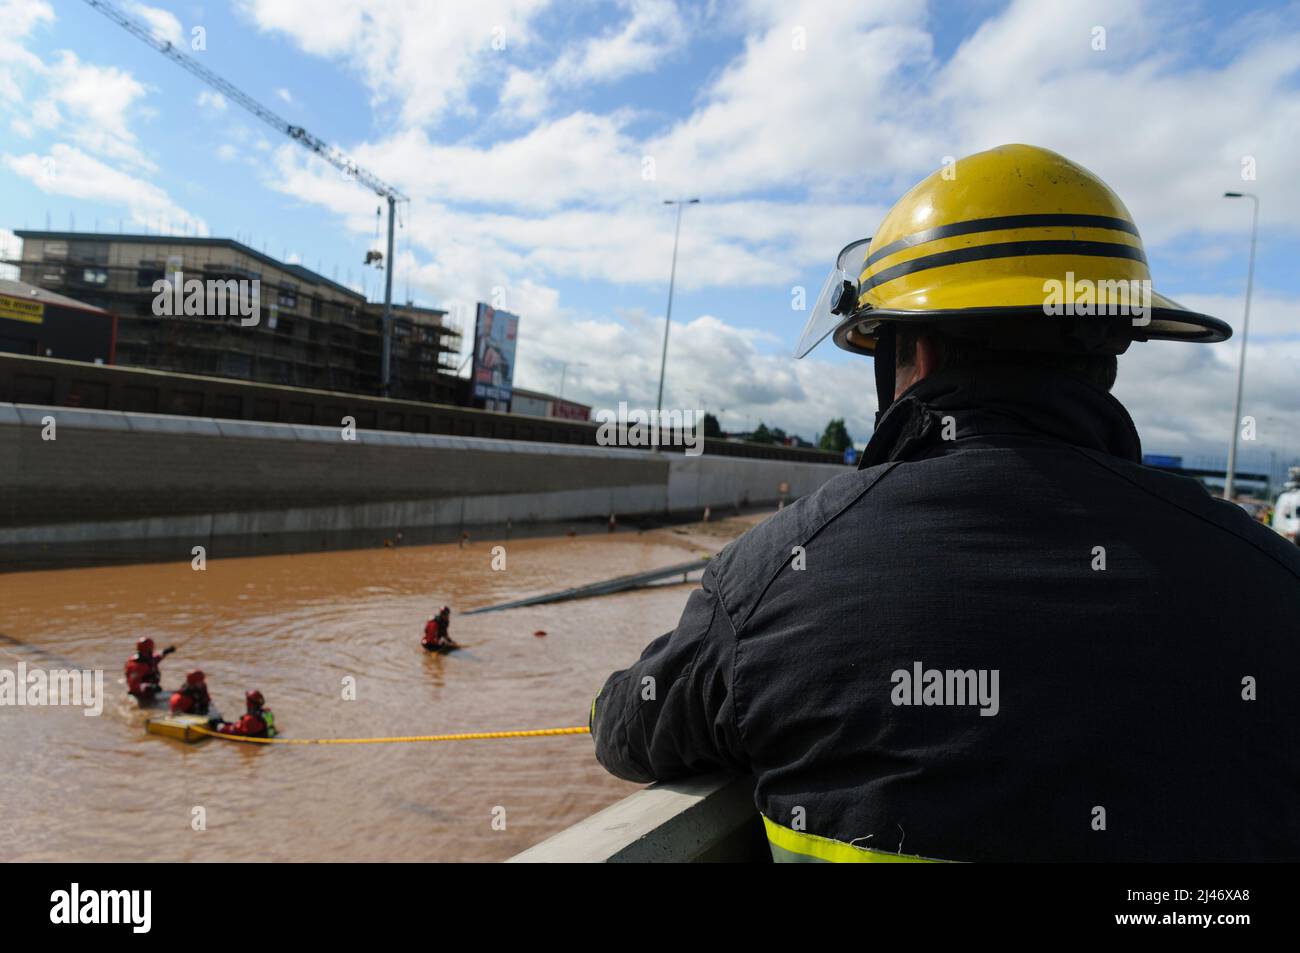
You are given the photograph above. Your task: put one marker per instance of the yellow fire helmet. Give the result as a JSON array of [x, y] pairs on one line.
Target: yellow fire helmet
[[1017, 246]]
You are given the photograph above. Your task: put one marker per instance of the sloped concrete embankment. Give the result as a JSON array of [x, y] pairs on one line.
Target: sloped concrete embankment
[[123, 487]]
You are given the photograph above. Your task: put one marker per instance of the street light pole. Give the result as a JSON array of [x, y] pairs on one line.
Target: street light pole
[[564, 370], [672, 280], [1245, 329]]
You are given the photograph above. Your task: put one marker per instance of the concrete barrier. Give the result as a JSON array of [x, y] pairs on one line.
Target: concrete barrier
[[48, 381], [704, 820], [120, 486]]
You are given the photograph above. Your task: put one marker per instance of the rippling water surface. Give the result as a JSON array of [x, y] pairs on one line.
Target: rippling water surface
[[79, 788]]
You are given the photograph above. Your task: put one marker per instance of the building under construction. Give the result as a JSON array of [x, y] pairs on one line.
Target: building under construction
[[312, 332]]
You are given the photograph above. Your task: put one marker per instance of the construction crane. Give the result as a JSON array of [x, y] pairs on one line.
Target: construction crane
[[329, 153]]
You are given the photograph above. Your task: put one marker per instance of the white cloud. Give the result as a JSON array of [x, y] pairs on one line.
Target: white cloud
[[284, 95], [11, 247], [1272, 316], [1179, 395], [739, 243], [1167, 130], [93, 105], [1181, 398], [525, 94], [712, 366], [423, 56], [20, 18], [162, 23], [820, 99], [214, 101], [652, 31], [67, 170]]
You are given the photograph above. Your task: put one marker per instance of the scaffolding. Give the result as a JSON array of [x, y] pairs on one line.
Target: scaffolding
[[312, 331]]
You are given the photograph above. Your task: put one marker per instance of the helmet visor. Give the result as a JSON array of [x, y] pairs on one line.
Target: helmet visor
[[834, 303]]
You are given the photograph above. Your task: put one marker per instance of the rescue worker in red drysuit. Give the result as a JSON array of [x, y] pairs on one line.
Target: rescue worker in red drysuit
[[193, 698], [142, 674], [436, 631], [257, 722]]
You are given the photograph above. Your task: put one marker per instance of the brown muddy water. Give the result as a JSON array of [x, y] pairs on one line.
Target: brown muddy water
[[83, 788]]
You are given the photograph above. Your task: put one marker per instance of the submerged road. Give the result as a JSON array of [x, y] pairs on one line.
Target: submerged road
[[298, 628]]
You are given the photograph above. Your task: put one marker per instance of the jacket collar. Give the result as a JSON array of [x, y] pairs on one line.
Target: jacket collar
[[991, 405]]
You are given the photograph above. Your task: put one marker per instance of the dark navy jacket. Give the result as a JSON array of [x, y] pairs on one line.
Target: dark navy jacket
[[1145, 636]]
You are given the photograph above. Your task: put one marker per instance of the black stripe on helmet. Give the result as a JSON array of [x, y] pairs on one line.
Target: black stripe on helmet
[[1000, 223], [1004, 250]]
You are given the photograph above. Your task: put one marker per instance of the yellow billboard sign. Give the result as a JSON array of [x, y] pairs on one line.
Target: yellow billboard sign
[[20, 309]]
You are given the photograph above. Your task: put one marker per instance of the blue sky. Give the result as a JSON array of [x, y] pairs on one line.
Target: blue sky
[[523, 131]]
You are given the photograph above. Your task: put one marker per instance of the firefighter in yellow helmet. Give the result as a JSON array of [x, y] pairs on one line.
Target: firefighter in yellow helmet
[[1018, 248], [1001, 637]]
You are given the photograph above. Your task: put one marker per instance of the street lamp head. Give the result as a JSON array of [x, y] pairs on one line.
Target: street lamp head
[[1232, 195]]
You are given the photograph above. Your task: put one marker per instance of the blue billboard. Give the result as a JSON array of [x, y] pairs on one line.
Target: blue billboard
[[495, 336]]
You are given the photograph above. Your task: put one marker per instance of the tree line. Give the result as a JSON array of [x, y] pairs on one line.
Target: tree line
[[834, 438]]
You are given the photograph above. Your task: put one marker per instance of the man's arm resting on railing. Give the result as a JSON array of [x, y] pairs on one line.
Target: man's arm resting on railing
[[672, 714]]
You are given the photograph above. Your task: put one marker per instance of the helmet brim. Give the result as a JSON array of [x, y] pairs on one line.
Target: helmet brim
[[1168, 321]]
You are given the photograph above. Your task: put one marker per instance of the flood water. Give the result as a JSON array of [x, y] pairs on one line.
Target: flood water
[[100, 788]]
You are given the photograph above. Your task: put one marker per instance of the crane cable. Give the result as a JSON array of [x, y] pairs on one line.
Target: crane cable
[[470, 736]]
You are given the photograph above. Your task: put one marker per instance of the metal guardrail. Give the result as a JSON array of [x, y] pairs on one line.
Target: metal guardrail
[[603, 588], [60, 383], [703, 820]]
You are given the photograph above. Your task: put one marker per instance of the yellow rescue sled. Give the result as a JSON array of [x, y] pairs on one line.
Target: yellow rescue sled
[[180, 727]]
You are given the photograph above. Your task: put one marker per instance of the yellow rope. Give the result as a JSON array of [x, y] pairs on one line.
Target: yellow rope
[[471, 736]]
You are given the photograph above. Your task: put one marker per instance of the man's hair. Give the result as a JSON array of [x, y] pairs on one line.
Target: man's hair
[[959, 353]]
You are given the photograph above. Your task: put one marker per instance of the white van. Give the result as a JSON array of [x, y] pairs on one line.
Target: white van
[[1286, 512]]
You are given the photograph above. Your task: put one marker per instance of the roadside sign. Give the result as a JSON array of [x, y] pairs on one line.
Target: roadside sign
[[17, 309]]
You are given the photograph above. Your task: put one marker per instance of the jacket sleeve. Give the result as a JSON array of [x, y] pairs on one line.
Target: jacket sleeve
[[672, 714]]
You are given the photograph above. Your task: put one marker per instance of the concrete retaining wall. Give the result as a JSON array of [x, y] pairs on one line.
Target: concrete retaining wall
[[116, 486], [703, 820]]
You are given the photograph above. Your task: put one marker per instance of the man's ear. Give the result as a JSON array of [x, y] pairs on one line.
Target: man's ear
[[927, 357], [924, 363]]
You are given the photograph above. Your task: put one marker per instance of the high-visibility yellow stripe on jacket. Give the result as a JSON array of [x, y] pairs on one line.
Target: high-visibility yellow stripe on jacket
[[796, 847]]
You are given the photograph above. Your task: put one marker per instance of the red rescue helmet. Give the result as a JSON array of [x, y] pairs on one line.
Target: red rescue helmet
[[144, 645], [194, 678], [255, 699]]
